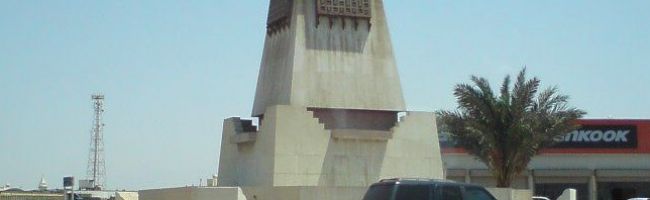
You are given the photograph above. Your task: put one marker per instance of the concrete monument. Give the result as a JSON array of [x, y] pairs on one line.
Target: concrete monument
[[329, 103]]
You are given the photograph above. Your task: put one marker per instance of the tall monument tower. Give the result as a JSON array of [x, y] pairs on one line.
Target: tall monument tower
[[333, 54], [328, 99]]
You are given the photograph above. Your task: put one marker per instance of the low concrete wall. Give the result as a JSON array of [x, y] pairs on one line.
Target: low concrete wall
[[304, 193], [255, 193], [510, 194], [568, 194], [193, 193], [126, 195]]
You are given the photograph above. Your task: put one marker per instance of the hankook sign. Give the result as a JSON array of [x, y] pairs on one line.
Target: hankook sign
[[599, 136], [588, 136]]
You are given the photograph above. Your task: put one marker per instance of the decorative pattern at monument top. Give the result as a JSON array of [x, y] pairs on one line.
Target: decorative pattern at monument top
[[344, 8], [279, 15]]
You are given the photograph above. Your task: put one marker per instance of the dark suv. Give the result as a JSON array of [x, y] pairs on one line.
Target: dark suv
[[425, 189]]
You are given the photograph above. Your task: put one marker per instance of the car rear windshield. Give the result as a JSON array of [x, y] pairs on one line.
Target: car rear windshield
[[379, 192], [412, 192], [451, 192]]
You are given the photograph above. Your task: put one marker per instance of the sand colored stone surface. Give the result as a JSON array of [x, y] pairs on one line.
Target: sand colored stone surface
[[341, 66], [126, 196], [510, 194], [193, 193], [293, 149], [568, 194], [328, 101]]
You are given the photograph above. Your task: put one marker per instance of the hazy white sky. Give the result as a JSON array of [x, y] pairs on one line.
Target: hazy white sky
[[173, 70]]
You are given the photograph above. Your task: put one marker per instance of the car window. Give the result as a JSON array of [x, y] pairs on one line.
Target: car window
[[451, 193], [477, 193], [412, 192], [379, 192]]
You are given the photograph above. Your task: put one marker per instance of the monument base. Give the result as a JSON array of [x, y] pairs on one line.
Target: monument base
[[295, 147], [294, 155]]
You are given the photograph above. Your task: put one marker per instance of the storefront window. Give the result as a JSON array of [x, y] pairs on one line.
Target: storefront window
[[623, 190]]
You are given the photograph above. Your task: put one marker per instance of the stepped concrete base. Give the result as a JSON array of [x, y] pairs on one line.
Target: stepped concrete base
[[291, 148]]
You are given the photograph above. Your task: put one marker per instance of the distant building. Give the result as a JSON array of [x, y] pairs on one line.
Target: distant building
[[15, 194], [213, 181], [42, 185], [604, 160], [106, 195]]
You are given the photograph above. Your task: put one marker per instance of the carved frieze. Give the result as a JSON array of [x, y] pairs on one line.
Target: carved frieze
[[279, 15], [341, 9], [344, 8]]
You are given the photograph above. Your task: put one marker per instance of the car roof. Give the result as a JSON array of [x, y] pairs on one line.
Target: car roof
[[420, 181]]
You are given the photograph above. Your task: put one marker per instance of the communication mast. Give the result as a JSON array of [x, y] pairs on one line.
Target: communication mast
[[96, 168]]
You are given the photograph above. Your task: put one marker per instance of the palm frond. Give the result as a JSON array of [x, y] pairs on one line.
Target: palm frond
[[505, 132]]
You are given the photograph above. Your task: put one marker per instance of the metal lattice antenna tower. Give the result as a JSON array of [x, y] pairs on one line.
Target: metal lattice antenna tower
[[96, 168]]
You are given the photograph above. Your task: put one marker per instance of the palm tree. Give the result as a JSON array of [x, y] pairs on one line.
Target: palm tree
[[506, 131]]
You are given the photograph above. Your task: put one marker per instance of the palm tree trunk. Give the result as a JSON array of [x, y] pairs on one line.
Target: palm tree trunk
[[504, 178]]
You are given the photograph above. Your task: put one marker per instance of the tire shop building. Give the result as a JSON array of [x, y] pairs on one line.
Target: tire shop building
[[606, 159]]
